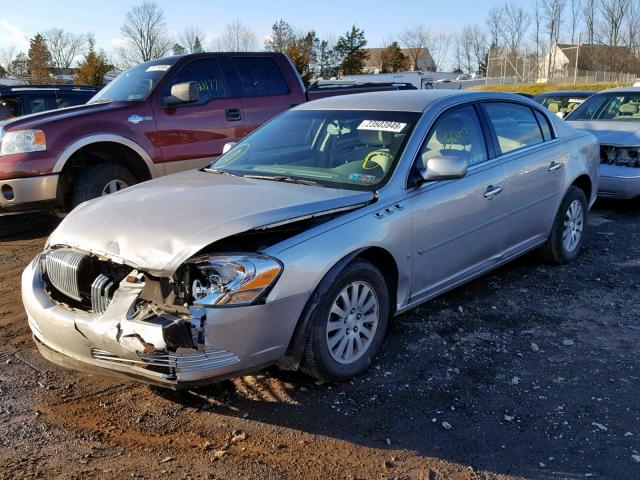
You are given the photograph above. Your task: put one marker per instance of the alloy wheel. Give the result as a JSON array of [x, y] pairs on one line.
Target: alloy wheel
[[352, 323], [573, 226], [114, 186]]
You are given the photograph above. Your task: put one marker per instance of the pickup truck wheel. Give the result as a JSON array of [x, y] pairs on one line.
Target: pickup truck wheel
[[349, 325], [567, 234], [101, 180]]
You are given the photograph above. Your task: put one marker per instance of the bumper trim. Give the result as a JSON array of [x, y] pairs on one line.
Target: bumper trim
[[27, 192]]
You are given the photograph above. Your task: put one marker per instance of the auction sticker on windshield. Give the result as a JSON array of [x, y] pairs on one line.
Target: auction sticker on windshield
[[158, 68], [382, 126]]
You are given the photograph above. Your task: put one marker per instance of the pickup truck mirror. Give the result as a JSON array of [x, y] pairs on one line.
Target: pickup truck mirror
[[228, 146], [443, 168], [186, 92]]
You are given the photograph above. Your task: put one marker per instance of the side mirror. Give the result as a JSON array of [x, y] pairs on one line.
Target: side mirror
[[443, 168], [228, 146], [186, 92]]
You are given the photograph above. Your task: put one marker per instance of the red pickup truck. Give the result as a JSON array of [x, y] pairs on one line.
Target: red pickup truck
[[156, 118]]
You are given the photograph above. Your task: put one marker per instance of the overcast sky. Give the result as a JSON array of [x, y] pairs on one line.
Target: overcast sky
[[380, 19]]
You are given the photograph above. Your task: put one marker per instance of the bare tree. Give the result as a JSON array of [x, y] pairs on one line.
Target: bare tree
[[145, 30], [470, 48], [576, 7], [191, 39], [495, 25], [515, 25], [64, 46], [7, 56], [614, 13], [537, 21], [552, 15], [237, 37], [590, 13], [439, 45], [415, 40]]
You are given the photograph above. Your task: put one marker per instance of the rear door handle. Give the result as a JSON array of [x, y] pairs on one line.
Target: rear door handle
[[233, 114], [492, 191], [554, 166]]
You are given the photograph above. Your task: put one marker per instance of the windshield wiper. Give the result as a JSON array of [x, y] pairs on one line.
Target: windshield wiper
[[217, 171], [102, 100], [283, 178]]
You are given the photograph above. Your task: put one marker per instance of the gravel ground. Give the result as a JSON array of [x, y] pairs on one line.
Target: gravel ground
[[530, 372]]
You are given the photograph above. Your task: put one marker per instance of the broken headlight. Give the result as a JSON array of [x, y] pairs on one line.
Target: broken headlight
[[232, 280]]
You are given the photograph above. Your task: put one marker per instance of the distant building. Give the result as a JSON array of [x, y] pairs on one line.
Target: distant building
[[374, 62], [563, 59]]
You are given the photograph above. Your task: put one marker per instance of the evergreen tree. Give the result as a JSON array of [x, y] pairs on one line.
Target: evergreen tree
[[393, 60], [178, 49], [93, 68], [351, 49], [302, 52], [282, 36], [197, 46], [39, 59], [20, 65]]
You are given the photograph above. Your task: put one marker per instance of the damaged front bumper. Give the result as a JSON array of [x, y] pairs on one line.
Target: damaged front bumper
[[231, 340], [617, 181]]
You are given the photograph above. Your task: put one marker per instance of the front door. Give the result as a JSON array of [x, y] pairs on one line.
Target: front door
[[191, 135], [457, 223]]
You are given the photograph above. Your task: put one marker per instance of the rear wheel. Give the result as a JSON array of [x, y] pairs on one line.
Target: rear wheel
[[567, 234], [349, 326], [101, 180]]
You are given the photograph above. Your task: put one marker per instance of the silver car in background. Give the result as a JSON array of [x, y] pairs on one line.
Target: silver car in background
[[613, 116], [298, 245]]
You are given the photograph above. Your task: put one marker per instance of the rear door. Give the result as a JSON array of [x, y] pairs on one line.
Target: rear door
[[458, 224], [191, 135], [534, 165], [266, 90]]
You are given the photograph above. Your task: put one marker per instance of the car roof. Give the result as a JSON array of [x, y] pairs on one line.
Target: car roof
[[621, 90], [567, 93], [17, 89], [402, 100]]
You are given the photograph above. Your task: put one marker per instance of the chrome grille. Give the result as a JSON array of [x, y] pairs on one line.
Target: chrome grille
[[185, 362], [101, 293], [62, 268]]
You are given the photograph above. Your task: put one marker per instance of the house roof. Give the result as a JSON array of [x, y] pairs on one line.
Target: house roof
[[592, 57]]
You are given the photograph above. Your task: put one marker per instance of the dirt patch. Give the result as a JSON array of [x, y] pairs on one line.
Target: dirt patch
[[530, 372]]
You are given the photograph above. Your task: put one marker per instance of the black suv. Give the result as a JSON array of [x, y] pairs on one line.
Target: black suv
[[24, 99]]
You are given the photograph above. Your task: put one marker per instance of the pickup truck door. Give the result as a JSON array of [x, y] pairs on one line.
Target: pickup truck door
[[191, 135], [457, 223], [270, 86]]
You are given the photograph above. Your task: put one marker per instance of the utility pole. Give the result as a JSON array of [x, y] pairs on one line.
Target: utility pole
[[575, 73]]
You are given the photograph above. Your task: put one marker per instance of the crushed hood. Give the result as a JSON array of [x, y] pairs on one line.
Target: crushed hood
[[157, 225], [611, 132]]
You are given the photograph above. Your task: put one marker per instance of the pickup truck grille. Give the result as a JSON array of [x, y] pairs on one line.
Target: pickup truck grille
[[80, 280]]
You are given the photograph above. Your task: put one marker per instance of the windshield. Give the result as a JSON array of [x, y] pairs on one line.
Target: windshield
[[622, 106], [341, 149], [133, 84]]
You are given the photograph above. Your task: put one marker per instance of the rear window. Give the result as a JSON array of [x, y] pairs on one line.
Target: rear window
[[261, 76], [514, 124]]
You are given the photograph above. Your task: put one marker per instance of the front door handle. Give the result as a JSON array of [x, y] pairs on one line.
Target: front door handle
[[554, 166], [492, 191], [233, 114]]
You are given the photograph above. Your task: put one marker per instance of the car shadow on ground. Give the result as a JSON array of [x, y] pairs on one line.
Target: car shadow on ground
[[27, 226]]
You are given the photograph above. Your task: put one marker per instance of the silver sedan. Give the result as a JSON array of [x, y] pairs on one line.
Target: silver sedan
[[302, 242]]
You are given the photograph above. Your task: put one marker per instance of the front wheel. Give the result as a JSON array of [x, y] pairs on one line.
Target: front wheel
[[567, 234], [349, 325], [101, 180]]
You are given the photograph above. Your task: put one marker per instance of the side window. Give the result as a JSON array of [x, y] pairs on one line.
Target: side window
[[544, 126], [456, 133], [38, 102], [261, 76], [64, 100], [9, 108], [207, 76], [514, 124]]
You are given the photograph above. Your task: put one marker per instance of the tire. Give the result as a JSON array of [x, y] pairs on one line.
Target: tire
[[571, 217], [327, 327], [93, 181]]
